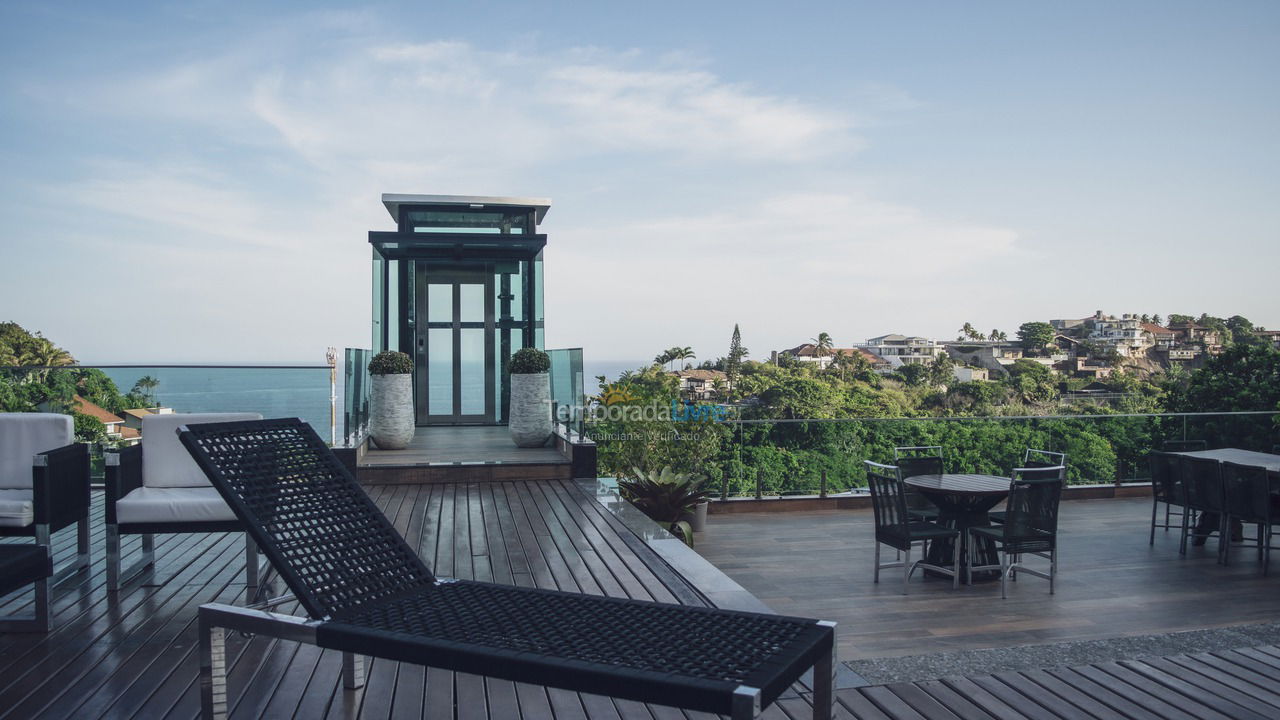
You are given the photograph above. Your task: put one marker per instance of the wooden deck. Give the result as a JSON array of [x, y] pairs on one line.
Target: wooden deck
[[1111, 583], [133, 655]]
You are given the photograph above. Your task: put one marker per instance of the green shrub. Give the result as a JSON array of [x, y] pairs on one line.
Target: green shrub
[[390, 362], [530, 361]]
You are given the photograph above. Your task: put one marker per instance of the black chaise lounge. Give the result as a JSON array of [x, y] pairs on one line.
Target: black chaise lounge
[[368, 593]]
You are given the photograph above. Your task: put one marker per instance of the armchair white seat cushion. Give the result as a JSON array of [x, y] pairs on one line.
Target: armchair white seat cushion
[[173, 505], [17, 507], [166, 463], [25, 435]]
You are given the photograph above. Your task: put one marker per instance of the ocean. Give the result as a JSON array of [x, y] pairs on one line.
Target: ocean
[[278, 391], [272, 391]]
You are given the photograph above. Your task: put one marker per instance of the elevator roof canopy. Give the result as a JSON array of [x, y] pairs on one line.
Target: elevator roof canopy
[[393, 201]]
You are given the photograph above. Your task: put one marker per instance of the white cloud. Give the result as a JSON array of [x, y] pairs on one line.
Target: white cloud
[[671, 179]]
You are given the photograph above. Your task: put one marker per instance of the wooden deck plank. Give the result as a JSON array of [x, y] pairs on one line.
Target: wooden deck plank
[[929, 707], [1240, 703], [1167, 697], [1228, 673], [1120, 705]]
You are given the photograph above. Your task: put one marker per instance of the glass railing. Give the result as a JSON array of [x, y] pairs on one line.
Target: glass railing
[[355, 395], [117, 397], [783, 458], [567, 394]]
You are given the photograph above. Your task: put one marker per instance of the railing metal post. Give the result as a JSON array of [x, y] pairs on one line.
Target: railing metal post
[[724, 486], [822, 490], [759, 483]]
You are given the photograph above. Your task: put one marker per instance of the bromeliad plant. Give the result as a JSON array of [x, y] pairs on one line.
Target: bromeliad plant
[[667, 497]]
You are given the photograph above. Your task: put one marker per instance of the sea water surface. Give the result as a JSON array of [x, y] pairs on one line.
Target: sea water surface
[[273, 391]]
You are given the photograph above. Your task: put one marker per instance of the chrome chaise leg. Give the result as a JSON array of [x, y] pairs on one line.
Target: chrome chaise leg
[[213, 621], [824, 680], [746, 703], [352, 671]]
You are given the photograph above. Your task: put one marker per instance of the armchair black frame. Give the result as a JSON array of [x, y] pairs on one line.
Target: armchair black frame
[[895, 527], [60, 498], [22, 565], [366, 592], [1030, 527], [124, 475], [1167, 488]]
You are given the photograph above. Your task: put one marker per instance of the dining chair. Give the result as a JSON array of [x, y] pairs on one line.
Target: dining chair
[[1166, 488], [1034, 458], [1202, 478], [896, 528], [1247, 500], [1034, 472], [1030, 528], [913, 461]]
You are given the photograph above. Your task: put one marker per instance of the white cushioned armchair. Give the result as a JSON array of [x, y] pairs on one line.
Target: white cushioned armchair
[[155, 487], [44, 482]]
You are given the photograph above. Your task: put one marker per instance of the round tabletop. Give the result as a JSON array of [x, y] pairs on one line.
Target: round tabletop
[[963, 483]]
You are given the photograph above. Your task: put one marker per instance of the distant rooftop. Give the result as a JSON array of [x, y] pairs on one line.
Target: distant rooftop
[[393, 201]]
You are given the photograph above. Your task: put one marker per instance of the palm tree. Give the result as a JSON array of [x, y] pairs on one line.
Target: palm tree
[[968, 332], [683, 353], [822, 345], [662, 358]]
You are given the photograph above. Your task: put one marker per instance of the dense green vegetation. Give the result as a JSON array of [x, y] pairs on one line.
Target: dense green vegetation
[[36, 375], [983, 426]]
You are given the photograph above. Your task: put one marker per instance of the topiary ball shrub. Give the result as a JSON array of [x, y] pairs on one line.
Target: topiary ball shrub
[[390, 362], [530, 361]]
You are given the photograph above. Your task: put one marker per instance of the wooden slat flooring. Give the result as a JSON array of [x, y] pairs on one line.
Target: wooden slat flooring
[[1111, 583], [133, 655]]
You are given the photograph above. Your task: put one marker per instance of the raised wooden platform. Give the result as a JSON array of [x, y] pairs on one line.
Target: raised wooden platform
[[462, 454]]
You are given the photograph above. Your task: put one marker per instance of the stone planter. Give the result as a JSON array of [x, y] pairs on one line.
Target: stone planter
[[530, 417], [391, 411], [698, 519]]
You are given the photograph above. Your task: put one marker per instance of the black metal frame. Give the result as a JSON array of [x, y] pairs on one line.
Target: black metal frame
[[124, 475], [367, 593], [59, 498], [896, 527], [1202, 478], [1167, 488], [22, 565], [1030, 527], [1247, 499]]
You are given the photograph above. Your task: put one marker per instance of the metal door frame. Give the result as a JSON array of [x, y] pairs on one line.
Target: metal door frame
[[456, 277]]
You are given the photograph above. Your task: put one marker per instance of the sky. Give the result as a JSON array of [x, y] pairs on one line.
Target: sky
[[194, 182]]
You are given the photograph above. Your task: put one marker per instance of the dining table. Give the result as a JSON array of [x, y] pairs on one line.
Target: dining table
[[1239, 456], [1270, 461], [963, 501]]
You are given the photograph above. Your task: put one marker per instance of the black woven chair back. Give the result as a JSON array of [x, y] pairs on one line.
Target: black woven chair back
[[1031, 515], [1166, 478], [1034, 458], [923, 465], [1203, 479], [1041, 472], [323, 534], [1184, 445], [888, 504], [1247, 492]]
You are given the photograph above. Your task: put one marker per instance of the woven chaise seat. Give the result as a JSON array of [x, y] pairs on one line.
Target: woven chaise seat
[[367, 593]]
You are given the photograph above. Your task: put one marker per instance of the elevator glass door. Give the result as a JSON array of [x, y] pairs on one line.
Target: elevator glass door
[[455, 347]]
